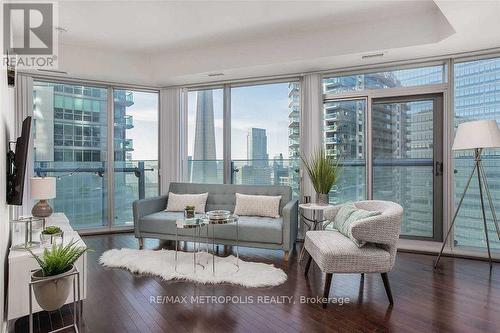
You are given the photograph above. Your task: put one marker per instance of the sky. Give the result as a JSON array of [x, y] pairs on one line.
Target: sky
[[144, 134], [261, 106]]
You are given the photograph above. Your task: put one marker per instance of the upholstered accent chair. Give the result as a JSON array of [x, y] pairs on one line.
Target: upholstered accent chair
[[335, 253]]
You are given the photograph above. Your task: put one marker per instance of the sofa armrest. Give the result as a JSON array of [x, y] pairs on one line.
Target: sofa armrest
[[145, 207], [290, 224]]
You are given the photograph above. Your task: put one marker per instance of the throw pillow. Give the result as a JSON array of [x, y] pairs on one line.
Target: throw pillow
[[357, 215], [257, 205], [178, 202], [343, 214]]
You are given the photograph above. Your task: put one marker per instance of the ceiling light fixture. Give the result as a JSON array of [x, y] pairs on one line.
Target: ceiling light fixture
[[372, 55], [215, 74]]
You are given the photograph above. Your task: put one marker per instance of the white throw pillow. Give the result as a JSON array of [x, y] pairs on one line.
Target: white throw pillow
[[257, 205], [178, 202]]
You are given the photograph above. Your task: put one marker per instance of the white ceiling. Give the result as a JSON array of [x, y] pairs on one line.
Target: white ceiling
[[164, 42]]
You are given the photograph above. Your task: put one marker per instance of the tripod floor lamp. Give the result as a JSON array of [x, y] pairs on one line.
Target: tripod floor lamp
[[476, 135]]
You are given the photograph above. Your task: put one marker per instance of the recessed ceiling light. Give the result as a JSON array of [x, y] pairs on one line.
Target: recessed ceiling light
[[372, 55], [60, 29], [215, 74]]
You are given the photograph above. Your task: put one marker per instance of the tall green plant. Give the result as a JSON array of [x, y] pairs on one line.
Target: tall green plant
[[323, 170], [59, 258]]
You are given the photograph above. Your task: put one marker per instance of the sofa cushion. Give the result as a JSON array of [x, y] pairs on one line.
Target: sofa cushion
[[178, 202], [251, 229], [257, 205], [335, 253]]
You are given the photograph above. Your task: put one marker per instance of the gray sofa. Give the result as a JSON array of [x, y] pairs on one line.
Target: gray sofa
[[152, 221]]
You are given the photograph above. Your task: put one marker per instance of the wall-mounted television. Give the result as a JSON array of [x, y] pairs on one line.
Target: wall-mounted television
[[16, 165]]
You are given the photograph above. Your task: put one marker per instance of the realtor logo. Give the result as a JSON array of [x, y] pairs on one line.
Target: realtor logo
[[29, 37]]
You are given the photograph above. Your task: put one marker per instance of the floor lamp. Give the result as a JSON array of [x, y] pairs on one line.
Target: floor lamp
[[476, 135]]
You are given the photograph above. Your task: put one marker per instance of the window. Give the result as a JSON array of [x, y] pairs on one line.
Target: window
[[387, 79], [344, 132], [477, 96], [265, 134], [58, 149], [136, 149], [72, 145], [205, 132]]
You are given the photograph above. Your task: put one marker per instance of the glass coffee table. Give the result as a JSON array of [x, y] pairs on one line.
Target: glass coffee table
[[219, 217], [195, 224]]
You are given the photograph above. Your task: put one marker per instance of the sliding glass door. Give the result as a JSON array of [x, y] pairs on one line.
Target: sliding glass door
[[135, 137], [407, 160], [71, 129], [70, 142]]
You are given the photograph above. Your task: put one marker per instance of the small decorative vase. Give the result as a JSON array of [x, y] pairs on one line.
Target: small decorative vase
[[322, 199], [52, 239], [189, 213]]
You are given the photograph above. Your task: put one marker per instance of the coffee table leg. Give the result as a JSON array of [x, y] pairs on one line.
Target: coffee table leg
[[213, 249], [194, 249], [237, 245], [176, 244]]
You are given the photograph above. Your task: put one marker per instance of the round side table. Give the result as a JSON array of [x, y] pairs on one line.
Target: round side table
[[195, 224], [316, 222], [233, 218]]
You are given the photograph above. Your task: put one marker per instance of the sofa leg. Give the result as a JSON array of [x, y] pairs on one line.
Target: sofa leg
[[308, 264], [141, 243], [387, 286], [326, 291], [286, 254]]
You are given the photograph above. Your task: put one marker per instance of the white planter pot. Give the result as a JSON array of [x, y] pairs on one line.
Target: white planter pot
[[51, 295]]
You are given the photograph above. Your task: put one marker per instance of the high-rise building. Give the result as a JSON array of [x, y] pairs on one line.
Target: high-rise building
[[70, 131], [257, 147], [204, 168]]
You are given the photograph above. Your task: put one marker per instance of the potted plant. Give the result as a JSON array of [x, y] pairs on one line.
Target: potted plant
[[50, 234], [189, 212], [324, 172], [57, 261]]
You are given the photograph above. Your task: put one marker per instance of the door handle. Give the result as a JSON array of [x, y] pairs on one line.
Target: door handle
[[438, 169]]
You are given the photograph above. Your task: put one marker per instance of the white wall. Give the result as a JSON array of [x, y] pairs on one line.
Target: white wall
[[6, 135]]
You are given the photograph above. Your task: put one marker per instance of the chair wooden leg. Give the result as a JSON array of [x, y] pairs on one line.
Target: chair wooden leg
[[141, 243], [308, 264], [326, 291], [286, 254], [387, 286]]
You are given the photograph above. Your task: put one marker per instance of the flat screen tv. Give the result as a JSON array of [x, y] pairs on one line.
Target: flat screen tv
[[16, 165]]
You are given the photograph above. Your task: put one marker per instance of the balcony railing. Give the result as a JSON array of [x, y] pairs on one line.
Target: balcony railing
[[129, 122], [82, 189]]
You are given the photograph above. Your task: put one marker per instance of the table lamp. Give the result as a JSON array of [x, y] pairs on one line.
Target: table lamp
[[476, 135], [42, 189]]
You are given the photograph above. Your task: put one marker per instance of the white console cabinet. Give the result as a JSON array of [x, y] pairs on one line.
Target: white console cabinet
[[21, 263]]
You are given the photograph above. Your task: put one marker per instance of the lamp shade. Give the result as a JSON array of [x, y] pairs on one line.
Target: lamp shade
[[477, 134], [43, 188]]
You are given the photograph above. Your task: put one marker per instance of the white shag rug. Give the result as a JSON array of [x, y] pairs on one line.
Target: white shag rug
[[161, 263]]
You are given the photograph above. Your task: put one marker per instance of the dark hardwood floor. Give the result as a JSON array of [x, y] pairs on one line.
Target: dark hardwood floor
[[462, 296]]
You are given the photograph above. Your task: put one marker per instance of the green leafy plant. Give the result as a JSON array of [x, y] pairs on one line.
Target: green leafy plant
[[51, 230], [323, 170], [189, 207], [60, 258]]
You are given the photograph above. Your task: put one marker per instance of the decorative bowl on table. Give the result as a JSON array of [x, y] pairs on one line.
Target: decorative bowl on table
[[216, 216]]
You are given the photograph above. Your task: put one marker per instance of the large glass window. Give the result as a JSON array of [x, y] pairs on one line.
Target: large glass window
[[344, 139], [205, 133], [135, 150], [265, 134], [387, 79], [477, 96], [73, 149]]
